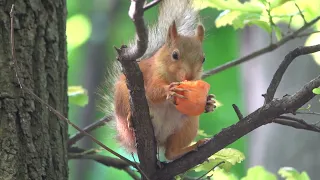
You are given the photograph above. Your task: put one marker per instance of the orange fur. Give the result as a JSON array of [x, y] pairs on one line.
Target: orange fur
[[173, 130]]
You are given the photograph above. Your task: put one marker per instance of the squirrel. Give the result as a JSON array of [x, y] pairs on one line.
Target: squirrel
[[174, 54]]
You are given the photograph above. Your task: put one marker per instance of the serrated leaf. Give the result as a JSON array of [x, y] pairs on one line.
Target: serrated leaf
[[227, 17], [208, 165], [221, 174], [228, 155], [252, 6], [276, 3], [316, 91], [262, 24], [259, 172], [78, 95], [289, 173]]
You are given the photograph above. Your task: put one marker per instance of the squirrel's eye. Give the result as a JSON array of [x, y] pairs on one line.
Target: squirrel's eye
[[175, 55], [204, 59]]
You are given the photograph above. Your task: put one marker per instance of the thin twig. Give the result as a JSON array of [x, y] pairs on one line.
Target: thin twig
[[58, 114], [151, 4], [210, 170], [283, 67], [78, 153], [289, 24], [296, 123], [238, 112], [311, 113], [260, 52], [79, 135], [301, 14], [308, 34]]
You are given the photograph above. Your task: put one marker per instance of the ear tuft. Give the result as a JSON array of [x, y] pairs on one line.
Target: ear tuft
[[172, 33], [200, 32]]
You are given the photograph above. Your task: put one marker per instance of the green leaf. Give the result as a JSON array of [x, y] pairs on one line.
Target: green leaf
[[278, 32], [259, 172], [221, 174], [289, 173], [202, 133], [262, 24], [252, 6], [227, 17], [316, 91], [78, 95], [228, 155]]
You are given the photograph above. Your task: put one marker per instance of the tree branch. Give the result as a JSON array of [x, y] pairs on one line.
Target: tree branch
[[283, 67], [151, 4], [79, 135], [260, 52], [311, 113], [141, 121], [262, 116], [296, 123], [238, 112], [78, 153]]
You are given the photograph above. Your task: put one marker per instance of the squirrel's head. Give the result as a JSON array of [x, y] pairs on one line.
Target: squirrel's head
[[181, 57]]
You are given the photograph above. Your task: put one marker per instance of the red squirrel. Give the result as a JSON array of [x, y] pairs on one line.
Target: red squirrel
[[179, 57]]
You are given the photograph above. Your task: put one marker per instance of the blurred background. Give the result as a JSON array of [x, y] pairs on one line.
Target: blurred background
[[95, 26]]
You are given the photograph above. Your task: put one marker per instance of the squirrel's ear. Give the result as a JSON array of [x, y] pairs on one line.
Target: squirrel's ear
[[200, 32], [173, 33]]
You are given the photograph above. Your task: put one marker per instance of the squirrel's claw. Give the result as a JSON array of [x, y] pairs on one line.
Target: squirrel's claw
[[210, 104], [172, 92], [201, 142]]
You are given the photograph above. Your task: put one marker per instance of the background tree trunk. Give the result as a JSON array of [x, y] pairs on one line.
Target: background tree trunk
[[274, 146], [32, 139]]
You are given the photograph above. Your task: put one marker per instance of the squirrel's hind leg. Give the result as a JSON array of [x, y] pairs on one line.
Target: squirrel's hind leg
[[179, 143]]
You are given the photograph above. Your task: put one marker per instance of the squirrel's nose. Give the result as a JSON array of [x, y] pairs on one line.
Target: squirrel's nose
[[188, 77]]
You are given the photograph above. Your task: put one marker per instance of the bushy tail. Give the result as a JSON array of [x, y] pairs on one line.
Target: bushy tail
[[186, 19], [180, 11]]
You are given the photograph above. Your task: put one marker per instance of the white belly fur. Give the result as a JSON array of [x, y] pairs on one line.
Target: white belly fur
[[166, 119]]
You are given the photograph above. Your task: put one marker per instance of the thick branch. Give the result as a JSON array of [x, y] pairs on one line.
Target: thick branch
[[261, 116], [260, 52], [264, 115], [141, 121], [283, 67]]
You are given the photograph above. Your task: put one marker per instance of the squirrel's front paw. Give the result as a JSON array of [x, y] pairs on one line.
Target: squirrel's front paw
[[172, 92], [210, 105]]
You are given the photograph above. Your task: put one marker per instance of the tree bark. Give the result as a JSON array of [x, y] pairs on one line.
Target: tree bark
[[32, 139]]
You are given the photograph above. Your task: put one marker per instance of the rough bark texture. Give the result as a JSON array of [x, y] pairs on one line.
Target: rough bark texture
[[32, 139]]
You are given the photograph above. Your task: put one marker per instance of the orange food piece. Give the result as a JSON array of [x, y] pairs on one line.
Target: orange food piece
[[196, 96]]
